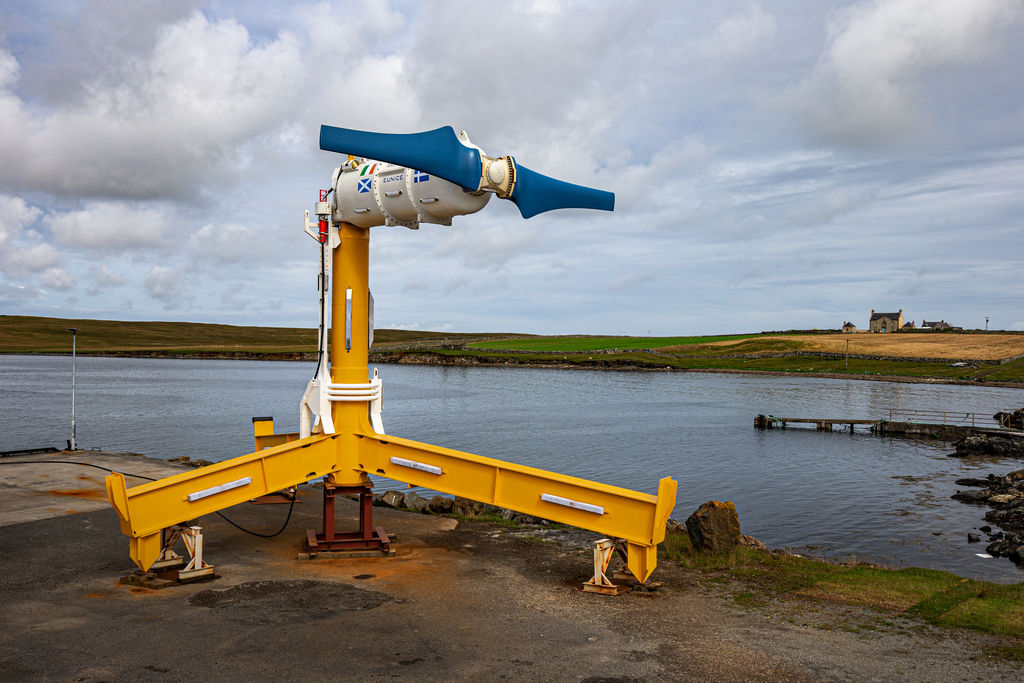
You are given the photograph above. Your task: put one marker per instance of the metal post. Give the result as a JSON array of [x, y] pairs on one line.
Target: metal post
[[74, 355]]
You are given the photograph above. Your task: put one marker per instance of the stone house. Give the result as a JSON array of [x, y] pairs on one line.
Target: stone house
[[886, 322], [849, 328], [933, 325]]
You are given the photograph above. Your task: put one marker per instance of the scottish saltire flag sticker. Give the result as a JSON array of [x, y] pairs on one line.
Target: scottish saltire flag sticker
[[364, 184], [420, 177]]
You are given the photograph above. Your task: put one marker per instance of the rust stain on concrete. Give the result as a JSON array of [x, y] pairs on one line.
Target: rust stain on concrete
[[88, 494]]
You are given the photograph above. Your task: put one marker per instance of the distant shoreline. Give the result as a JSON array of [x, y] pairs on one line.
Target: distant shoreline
[[463, 361]]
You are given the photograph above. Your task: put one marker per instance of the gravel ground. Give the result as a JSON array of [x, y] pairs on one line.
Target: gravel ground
[[459, 601]]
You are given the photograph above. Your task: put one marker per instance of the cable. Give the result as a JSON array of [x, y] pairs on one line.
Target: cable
[[139, 476], [72, 462], [323, 310], [256, 533]]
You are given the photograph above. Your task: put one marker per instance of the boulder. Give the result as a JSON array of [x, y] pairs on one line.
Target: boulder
[[714, 527], [971, 496], [973, 538], [466, 507], [1001, 498], [990, 444], [415, 502], [971, 481], [751, 542], [439, 505], [392, 499]]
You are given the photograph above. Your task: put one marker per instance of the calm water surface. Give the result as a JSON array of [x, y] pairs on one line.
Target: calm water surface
[[832, 494]]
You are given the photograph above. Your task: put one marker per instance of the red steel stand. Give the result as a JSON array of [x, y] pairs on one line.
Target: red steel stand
[[368, 539]]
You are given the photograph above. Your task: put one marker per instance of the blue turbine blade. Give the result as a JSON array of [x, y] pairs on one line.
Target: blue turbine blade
[[535, 193], [437, 152]]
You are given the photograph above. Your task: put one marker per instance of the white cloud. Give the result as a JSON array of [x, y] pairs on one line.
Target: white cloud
[[110, 226], [171, 119], [229, 243], [22, 262], [867, 87], [15, 215], [487, 248], [103, 278], [739, 35], [57, 278], [166, 285], [822, 152]]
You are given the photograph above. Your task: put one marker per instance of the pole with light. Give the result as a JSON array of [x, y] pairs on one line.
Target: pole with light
[[74, 339]]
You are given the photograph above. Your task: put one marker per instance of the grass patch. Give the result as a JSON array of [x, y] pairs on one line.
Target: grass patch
[[934, 596], [1013, 652], [587, 343]]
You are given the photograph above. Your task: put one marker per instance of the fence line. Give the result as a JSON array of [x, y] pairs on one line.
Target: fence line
[[945, 417]]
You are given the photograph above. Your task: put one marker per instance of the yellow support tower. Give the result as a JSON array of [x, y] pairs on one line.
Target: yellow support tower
[[351, 447]]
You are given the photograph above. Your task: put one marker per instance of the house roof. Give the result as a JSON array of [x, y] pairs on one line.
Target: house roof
[[849, 325], [879, 316]]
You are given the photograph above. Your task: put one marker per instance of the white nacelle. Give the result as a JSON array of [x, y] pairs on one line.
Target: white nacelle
[[375, 193]]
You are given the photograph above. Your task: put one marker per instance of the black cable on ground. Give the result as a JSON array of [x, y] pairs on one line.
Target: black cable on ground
[[291, 506], [139, 476], [73, 462]]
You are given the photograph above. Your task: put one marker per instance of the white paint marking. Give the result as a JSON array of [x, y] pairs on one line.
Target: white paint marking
[[569, 503], [220, 488]]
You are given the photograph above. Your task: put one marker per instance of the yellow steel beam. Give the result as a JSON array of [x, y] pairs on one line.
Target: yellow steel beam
[[147, 509], [636, 517]]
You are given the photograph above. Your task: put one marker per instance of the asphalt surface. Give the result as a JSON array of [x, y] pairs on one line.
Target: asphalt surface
[[459, 601]]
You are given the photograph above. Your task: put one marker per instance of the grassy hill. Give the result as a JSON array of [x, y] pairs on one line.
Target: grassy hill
[[28, 334], [988, 357]]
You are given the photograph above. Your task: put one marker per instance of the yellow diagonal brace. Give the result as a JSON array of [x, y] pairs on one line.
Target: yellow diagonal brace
[[145, 510], [617, 512]]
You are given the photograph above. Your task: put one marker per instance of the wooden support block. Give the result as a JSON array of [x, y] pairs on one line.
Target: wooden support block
[[605, 590]]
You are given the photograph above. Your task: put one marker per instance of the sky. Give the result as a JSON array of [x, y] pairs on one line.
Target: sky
[[783, 165]]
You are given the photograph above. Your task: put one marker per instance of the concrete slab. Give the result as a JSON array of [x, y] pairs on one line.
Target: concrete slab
[[45, 485]]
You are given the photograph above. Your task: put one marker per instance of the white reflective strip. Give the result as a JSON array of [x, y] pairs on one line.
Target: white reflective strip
[[423, 467], [368, 385], [220, 488], [569, 503], [348, 319], [352, 392]]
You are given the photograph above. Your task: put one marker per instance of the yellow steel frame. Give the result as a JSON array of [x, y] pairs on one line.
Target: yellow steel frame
[[355, 449]]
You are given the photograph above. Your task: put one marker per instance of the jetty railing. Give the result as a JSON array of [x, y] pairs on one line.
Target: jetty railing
[[943, 417]]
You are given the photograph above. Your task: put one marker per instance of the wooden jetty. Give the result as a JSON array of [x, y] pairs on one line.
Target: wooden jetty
[[823, 424]]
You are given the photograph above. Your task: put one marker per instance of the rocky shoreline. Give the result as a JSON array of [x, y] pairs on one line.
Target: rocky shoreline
[[1005, 495]]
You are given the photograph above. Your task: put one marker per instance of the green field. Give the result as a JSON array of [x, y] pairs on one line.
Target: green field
[[586, 343], [28, 334], [766, 353]]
